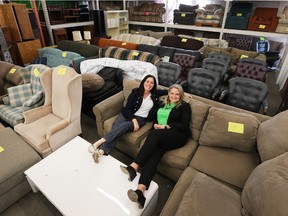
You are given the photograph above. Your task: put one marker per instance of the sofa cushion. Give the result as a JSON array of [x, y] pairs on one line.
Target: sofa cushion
[[159, 35], [265, 192], [128, 85], [92, 82], [199, 114], [206, 196], [19, 94], [230, 129], [145, 33], [13, 76], [273, 129]]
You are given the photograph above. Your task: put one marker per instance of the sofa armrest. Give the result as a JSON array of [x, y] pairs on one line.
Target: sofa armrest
[[106, 109], [36, 113], [57, 127], [261, 57]]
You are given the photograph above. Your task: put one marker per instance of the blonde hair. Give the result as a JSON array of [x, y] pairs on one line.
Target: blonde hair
[[181, 92]]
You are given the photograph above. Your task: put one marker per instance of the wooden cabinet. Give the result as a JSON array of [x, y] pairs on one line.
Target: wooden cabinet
[[116, 22], [16, 17], [55, 14]]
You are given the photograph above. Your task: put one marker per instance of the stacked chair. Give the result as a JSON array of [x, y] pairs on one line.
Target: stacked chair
[[238, 16], [168, 73], [264, 19], [252, 68], [246, 93], [202, 82], [186, 62], [185, 14]]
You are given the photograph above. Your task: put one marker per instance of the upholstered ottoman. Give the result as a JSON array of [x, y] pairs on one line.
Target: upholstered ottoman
[[15, 157]]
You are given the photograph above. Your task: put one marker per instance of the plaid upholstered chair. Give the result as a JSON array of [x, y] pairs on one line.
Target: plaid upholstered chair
[[147, 12], [23, 97], [58, 120]]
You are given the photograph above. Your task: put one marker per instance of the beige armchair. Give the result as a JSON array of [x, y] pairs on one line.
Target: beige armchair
[[50, 126]]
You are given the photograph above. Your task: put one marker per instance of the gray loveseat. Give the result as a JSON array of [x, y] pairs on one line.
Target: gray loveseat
[[222, 153]]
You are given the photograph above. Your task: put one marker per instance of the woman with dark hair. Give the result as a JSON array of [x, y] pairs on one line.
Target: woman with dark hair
[[141, 106], [170, 131]]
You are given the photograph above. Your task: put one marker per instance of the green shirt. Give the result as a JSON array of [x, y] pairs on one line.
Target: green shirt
[[163, 113]]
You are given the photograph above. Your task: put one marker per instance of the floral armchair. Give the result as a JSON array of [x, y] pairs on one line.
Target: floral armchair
[[210, 15]]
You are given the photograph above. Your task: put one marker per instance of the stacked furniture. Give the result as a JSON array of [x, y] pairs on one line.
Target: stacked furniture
[[283, 22], [185, 14], [137, 38], [105, 42], [181, 42], [147, 12], [264, 19], [239, 15], [210, 15], [168, 73]]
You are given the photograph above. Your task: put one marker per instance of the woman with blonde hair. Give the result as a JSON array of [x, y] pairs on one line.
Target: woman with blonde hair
[[170, 131]]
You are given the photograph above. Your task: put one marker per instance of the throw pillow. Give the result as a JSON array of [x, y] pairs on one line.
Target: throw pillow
[[92, 82], [230, 129], [199, 113], [19, 94], [272, 136], [265, 191], [207, 196]]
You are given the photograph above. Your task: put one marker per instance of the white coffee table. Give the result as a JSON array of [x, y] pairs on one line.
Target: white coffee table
[[75, 185]]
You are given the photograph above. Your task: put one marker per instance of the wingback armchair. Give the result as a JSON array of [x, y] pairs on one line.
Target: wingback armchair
[[238, 16], [264, 19], [50, 126], [283, 22]]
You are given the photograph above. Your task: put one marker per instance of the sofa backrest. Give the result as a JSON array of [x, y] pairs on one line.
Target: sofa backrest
[[85, 50], [124, 54]]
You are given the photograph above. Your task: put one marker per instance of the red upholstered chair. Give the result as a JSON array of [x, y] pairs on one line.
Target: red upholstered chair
[[186, 62], [252, 71], [264, 19]]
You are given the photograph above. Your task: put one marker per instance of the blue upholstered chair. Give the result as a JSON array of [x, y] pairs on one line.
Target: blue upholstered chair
[[238, 16]]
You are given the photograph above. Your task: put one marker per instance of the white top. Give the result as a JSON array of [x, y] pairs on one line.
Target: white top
[[145, 107]]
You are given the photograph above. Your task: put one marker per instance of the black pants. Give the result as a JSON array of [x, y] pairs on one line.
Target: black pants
[[157, 143]]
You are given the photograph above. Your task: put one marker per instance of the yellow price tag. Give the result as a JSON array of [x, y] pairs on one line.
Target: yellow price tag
[[183, 15], [262, 26], [135, 54], [209, 17], [239, 14], [61, 71], [244, 56], [184, 40], [12, 70], [123, 44], [64, 54], [1, 149], [286, 29], [198, 39], [36, 72], [137, 32], [235, 127]]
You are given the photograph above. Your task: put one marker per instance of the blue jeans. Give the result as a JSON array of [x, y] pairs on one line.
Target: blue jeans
[[120, 126]]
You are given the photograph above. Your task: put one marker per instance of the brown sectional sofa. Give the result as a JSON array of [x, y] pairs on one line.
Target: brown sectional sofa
[[222, 151]]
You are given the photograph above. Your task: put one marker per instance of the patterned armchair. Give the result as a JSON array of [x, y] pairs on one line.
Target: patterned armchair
[[210, 15], [264, 19], [23, 97], [283, 22], [147, 12], [238, 16]]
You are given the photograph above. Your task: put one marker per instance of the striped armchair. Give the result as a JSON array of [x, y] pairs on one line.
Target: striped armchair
[[147, 12]]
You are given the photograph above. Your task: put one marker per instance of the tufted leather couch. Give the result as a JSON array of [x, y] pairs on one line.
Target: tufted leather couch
[[252, 71]]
